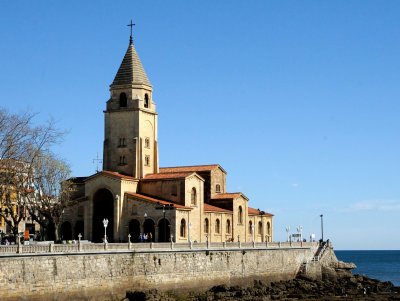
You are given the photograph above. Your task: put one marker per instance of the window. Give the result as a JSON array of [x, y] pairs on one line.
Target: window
[[146, 100], [206, 225], [147, 160], [269, 228], [217, 226], [122, 100], [228, 226], [174, 190], [147, 142], [194, 196], [240, 215], [217, 188], [121, 142], [260, 228], [183, 228], [122, 160], [250, 226]]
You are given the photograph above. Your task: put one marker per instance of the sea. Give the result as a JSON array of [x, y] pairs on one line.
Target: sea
[[382, 265]]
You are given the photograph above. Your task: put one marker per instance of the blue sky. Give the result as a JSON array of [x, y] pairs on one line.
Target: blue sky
[[297, 100]]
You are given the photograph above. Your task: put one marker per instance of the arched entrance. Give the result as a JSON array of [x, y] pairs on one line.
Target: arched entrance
[[134, 230], [79, 228], [103, 207], [148, 227], [66, 231], [163, 230]]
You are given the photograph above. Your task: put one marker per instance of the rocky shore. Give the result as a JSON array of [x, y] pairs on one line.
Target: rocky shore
[[350, 287]]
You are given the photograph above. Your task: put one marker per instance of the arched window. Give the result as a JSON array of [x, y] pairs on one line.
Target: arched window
[[146, 100], [217, 188], [260, 228], [250, 226], [183, 228], [268, 228], [228, 226], [240, 215], [194, 196], [217, 226], [147, 160], [147, 142], [122, 100], [206, 225]]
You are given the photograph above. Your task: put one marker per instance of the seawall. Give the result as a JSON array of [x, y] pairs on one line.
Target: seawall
[[108, 274]]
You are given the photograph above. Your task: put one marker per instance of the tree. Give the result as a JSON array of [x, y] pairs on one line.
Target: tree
[[53, 192], [22, 145]]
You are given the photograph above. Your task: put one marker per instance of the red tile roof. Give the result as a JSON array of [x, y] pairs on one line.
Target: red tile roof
[[190, 168], [112, 173], [258, 212], [228, 195], [172, 175], [208, 207], [151, 199]]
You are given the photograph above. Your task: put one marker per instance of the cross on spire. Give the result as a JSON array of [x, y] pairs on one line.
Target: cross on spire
[[131, 25]]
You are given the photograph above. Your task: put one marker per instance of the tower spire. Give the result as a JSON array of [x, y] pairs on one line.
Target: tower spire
[[131, 25]]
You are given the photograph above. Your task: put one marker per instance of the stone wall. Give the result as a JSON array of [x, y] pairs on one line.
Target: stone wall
[[108, 275]]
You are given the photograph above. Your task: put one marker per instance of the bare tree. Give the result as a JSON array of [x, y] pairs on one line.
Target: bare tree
[[22, 145], [53, 192]]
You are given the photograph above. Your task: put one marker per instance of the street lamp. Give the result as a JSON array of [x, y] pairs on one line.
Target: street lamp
[[190, 226], [164, 207], [105, 223], [299, 230], [322, 226], [288, 230]]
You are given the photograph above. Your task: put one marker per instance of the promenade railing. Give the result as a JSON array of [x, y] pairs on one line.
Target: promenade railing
[[147, 246]]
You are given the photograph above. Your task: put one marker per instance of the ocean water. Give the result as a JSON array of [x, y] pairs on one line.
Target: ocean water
[[382, 265]]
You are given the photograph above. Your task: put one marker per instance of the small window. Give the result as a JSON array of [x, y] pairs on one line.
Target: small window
[[147, 160], [206, 225], [122, 160], [217, 188], [174, 190], [260, 228], [122, 100], [228, 226], [147, 142], [217, 226], [183, 228], [240, 215], [194, 197], [146, 100], [122, 142]]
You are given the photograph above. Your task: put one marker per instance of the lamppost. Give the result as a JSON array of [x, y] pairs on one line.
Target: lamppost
[[165, 207], [322, 226], [299, 230], [190, 226], [287, 231], [105, 223]]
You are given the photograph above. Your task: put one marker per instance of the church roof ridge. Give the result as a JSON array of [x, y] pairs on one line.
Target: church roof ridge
[[152, 199], [208, 207], [112, 173], [258, 212], [228, 195], [205, 167], [131, 70], [168, 175]]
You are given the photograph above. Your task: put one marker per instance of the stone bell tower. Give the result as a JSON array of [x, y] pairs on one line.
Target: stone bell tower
[[130, 129]]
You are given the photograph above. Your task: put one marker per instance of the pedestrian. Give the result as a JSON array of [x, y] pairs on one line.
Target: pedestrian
[[151, 237], [145, 237]]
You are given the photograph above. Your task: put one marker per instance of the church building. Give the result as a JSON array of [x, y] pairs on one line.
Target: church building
[[136, 196]]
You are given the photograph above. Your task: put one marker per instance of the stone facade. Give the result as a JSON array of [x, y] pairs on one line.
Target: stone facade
[[182, 204]]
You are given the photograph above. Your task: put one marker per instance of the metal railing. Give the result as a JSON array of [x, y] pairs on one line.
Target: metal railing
[[100, 247]]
